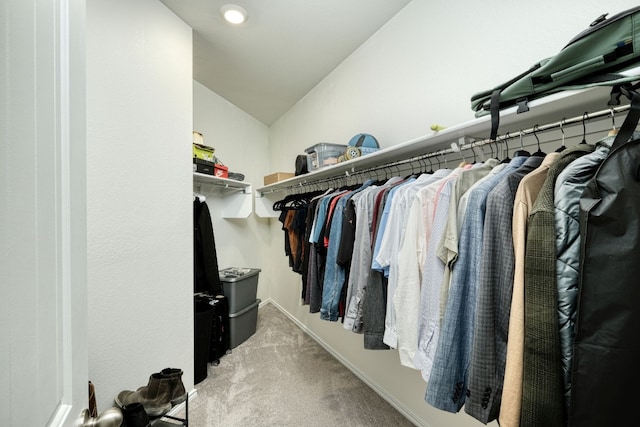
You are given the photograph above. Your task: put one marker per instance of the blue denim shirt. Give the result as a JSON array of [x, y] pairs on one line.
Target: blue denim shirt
[[334, 274]]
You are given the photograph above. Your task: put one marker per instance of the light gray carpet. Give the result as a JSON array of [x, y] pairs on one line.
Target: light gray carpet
[[282, 377]]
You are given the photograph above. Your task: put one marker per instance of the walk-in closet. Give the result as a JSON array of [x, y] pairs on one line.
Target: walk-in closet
[[101, 99]]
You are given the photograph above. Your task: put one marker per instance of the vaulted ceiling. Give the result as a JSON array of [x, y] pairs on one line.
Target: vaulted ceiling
[[282, 51]]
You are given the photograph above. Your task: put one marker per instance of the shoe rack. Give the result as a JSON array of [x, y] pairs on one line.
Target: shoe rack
[[184, 422]]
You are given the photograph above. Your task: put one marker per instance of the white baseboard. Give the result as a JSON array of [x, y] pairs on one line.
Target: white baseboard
[[357, 372]]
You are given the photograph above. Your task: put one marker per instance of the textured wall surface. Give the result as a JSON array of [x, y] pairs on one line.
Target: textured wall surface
[[139, 123]]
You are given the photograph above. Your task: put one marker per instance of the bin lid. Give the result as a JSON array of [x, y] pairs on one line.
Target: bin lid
[[233, 274]]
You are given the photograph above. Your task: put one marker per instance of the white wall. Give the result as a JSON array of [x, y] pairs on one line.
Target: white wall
[[140, 261], [241, 143], [421, 68]]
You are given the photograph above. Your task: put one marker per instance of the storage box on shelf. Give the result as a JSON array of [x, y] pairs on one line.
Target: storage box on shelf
[[203, 152], [203, 166], [548, 109], [277, 177], [324, 154], [210, 168], [221, 170]]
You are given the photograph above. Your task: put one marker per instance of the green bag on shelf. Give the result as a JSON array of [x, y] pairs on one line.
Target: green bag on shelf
[[605, 54]]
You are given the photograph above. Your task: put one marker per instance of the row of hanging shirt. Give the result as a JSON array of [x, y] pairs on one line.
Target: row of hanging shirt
[[471, 273]]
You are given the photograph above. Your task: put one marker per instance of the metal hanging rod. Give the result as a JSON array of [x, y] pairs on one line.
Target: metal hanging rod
[[466, 146], [549, 126]]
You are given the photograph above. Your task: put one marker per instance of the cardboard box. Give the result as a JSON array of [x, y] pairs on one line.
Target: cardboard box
[[278, 176], [203, 152]]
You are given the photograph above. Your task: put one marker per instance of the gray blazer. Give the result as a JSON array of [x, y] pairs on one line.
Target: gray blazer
[[493, 303]]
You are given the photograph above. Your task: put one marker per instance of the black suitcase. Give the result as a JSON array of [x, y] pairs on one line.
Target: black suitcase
[[219, 329], [213, 338], [203, 315]]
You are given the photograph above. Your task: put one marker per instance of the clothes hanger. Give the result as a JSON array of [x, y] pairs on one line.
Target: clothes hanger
[[290, 201], [521, 151], [474, 154], [484, 155], [423, 165], [562, 146], [614, 130], [464, 161], [585, 116], [506, 146], [438, 160], [490, 149], [430, 165], [497, 148], [538, 153], [445, 160]]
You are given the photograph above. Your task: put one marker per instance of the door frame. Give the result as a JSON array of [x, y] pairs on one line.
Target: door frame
[[43, 215]]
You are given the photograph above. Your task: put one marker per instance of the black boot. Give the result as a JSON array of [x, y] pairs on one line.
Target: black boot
[[135, 416]]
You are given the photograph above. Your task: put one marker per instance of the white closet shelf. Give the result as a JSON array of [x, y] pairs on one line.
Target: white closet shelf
[[548, 109], [235, 196], [221, 183]]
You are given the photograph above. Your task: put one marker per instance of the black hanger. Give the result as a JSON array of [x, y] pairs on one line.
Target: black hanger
[[423, 165], [491, 148], [521, 151], [292, 201], [445, 161], [505, 139], [438, 160], [562, 146], [423, 162], [538, 153], [585, 116]]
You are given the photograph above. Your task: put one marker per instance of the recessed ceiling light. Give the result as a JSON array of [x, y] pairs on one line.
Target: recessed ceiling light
[[233, 14]]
